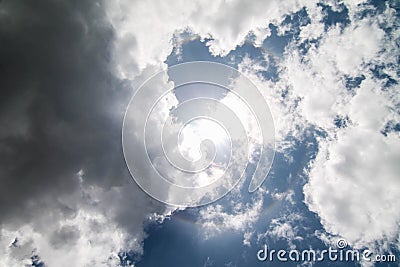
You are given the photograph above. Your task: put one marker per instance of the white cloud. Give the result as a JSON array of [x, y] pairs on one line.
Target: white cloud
[[353, 183], [216, 219], [144, 29], [282, 230], [106, 222], [317, 77], [286, 121], [247, 238], [316, 28], [359, 43], [354, 180], [286, 227], [98, 242], [287, 196]]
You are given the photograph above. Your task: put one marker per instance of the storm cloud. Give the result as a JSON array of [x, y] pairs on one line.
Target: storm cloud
[[61, 111], [56, 82]]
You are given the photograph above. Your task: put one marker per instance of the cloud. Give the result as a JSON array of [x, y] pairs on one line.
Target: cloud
[[287, 196], [353, 181], [62, 169], [105, 224], [247, 238], [286, 228], [239, 217], [55, 86], [144, 29], [287, 121], [317, 77]]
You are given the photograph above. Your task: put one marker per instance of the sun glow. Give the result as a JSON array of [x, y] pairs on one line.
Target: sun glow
[[198, 130]]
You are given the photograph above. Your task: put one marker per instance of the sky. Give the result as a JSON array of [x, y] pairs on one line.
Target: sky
[[70, 72]]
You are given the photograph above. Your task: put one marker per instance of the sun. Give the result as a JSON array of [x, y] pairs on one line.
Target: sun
[[197, 130]]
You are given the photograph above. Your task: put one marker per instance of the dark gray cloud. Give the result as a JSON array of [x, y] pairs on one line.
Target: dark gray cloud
[[61, 108], [66, 235]]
